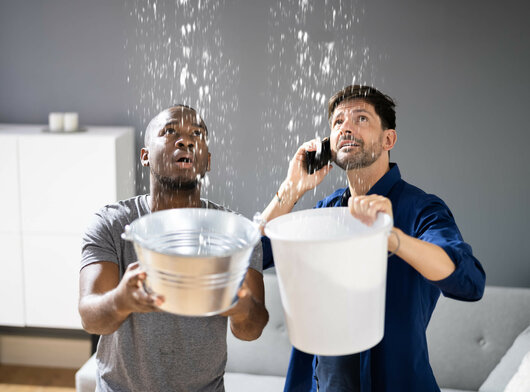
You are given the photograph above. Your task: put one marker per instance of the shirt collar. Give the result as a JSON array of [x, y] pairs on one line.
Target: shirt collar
[[381, 187]]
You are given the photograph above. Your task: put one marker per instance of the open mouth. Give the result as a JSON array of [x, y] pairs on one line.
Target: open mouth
[[348, 144], [184, 161]]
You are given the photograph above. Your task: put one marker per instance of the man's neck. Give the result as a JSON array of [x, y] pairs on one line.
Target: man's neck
[[163, 199], [362, 180]]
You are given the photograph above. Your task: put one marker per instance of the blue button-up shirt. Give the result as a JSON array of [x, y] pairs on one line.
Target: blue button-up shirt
[[400, 362]]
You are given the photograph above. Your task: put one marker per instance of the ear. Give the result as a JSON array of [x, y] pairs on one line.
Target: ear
[[209, 162], [389, 139], [144, 156]]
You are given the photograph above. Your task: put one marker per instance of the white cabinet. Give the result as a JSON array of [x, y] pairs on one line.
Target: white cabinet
[[51, 272], [9, 193], [11, 281], [53, 183]]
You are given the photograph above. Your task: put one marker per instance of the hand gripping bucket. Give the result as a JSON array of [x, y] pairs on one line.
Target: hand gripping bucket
[[332, 277]]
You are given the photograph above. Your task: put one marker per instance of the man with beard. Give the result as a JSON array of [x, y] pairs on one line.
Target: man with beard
[[430, 254], [142, 348]]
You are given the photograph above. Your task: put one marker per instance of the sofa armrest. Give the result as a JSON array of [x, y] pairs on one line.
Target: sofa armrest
[[85, 377], [467, 339]]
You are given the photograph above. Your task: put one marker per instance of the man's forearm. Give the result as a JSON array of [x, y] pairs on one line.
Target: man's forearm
[[428, 259], [100, 313], [283, 202]]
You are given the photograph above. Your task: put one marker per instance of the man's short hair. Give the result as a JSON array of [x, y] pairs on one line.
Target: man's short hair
[[384, 105], [180, 106], [183, 106]]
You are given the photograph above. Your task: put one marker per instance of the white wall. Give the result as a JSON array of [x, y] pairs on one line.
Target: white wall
[[458, 70]]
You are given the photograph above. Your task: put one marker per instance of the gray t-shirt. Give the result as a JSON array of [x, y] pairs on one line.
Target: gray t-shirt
[[156, 351]]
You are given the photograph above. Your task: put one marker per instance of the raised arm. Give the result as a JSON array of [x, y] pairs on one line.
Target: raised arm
[[105, 301], [439, 254], [296, 184]]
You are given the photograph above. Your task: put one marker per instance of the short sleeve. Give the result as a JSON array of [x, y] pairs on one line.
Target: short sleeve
[[98, 243], [435, 224], [256, 259]]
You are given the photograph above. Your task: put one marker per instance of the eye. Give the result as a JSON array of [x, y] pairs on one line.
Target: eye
[[362, 119], [169, 131], [197, 133], [338, 122]]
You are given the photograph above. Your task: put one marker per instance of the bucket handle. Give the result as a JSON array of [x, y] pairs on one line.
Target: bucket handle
[[393, 253], [259, 222]]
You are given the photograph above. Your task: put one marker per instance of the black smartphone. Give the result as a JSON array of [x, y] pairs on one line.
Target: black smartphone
[[316, 160]]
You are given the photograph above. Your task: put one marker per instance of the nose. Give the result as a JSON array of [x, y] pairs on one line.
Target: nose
[[345, 130], [185, 143], [347, 127]]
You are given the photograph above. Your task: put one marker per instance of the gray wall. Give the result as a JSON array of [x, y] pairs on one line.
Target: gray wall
[[458, 70]]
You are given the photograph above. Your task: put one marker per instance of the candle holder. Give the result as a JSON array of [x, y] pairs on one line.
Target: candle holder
[[63, 123]]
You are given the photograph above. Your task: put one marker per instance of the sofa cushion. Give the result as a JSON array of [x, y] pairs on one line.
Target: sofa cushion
[[509, 364], [241, 382], [467, 339], [455, 390]]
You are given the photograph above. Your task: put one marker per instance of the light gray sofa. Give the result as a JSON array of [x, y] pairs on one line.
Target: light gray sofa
[[466, 342]]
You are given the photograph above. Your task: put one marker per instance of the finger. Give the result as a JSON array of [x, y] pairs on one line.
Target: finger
[[320, 174], [381, 204], [133, 266], [367, 213], [307, 146], [371, 215], [155, 300], [141, 276], [142, 298], [147, 309], [300, 153], [243, 292], [310, 145], [358, 209], [364, 203], [132, 279], [376, 206], [159, 300], [357, 205], [136, 278]]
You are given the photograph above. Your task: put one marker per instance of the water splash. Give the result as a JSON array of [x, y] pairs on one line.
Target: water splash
[[317, 49], [177, 55]]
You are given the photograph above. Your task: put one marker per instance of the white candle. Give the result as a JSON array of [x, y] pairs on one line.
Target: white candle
[[71, 122], [55, 121]]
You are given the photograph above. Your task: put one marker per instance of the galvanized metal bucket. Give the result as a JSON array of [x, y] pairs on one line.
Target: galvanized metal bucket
[[196, 258]]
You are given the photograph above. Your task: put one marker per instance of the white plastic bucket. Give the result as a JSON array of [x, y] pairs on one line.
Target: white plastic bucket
[[332, 277]]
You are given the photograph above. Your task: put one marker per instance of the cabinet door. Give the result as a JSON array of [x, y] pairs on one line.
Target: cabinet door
[[11, 281], [9, 196], [64, 179], [51, 271]]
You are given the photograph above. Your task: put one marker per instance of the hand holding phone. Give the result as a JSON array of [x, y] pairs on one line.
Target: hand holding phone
[[316, 160]]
